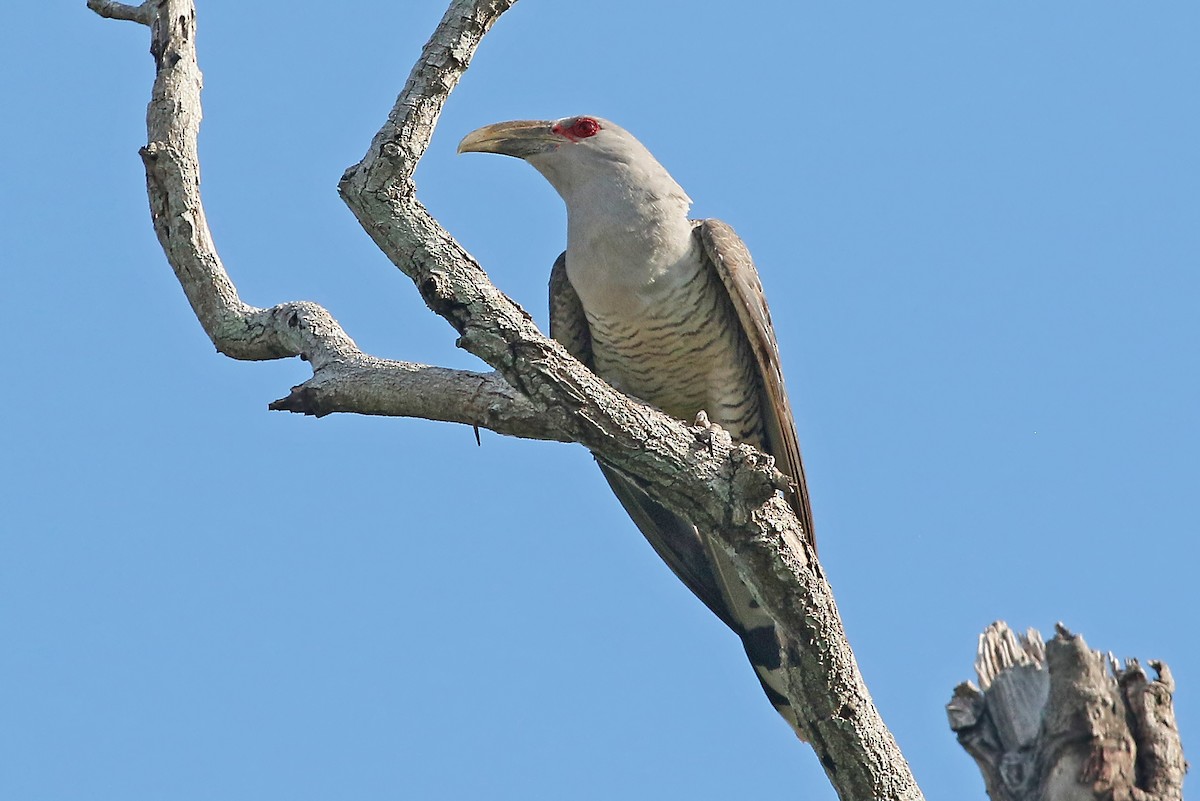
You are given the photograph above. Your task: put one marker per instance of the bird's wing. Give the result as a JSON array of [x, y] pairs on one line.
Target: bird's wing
[[568, 324], [733, 264], [676, 541]]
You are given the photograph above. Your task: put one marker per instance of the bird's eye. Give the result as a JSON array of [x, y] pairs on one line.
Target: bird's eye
[[584, 127]]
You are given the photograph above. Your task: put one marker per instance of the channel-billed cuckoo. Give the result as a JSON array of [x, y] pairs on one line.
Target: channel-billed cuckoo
[[671, 311]]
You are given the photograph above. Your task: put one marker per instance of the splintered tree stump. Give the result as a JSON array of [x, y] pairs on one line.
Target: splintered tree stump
[[1059, 722]]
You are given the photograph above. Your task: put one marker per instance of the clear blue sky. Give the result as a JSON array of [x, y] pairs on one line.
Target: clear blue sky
[[978, 226]]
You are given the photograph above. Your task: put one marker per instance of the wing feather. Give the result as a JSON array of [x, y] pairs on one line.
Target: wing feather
[[568, 323], [675, 540], [733, 264]]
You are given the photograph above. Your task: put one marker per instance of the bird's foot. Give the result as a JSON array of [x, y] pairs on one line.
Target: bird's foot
[[707, 432]]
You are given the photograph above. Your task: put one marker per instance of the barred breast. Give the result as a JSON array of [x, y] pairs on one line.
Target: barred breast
[[680, 347]]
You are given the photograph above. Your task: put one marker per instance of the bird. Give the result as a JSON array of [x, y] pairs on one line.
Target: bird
[[671, 311]]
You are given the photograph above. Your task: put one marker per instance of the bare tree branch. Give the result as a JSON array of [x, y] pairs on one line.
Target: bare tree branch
[[143, 13], [858, 752], [344, 378], [402, 389], [540, 391]]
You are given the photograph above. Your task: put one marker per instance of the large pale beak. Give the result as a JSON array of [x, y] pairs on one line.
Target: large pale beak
[[519, 138]]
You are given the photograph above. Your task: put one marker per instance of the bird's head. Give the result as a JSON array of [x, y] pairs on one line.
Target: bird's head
[[530, 139], [573, 152]]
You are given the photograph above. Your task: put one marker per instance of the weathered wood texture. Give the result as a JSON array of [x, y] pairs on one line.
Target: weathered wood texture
[[538, 391], [1060, 722]]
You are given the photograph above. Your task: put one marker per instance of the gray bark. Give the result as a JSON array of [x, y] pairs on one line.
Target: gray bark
[[1060, 722], [538, 390]]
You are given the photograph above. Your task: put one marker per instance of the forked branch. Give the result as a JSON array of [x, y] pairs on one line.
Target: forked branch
[[538, 391]]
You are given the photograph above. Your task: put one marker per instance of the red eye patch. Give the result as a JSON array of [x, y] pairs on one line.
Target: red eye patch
[[580, 128]]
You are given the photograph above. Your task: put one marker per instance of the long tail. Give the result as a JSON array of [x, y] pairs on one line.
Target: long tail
[[710, 575]]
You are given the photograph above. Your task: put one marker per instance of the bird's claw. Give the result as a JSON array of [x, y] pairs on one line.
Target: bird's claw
[[706, 431]]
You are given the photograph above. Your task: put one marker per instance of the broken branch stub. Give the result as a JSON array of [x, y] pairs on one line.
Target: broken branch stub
[[1060, 722]]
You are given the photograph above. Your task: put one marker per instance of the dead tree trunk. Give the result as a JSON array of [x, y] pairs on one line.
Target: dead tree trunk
[[1060, 722]]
